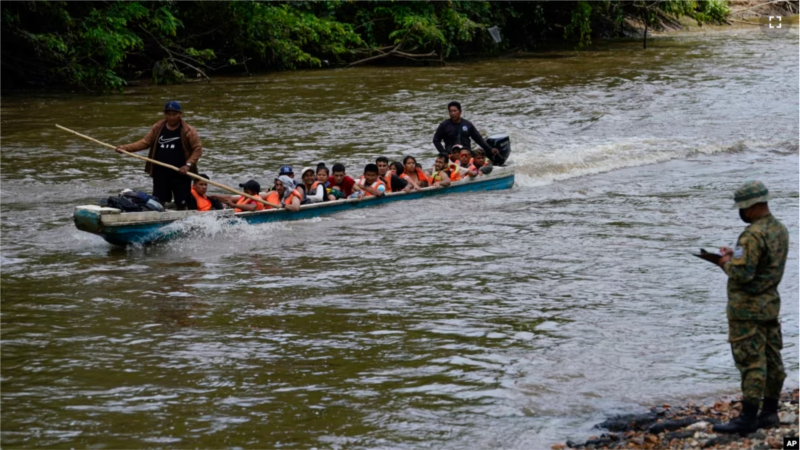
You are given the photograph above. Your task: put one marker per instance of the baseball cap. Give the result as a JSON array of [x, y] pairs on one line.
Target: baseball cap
[[750, 193], [286, 170], [251, 185], [172, 106]]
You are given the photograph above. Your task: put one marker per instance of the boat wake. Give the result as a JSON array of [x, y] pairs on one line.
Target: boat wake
[[537, 165], [203, 227]]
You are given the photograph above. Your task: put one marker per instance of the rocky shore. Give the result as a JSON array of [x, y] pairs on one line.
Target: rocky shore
[[689, 427]]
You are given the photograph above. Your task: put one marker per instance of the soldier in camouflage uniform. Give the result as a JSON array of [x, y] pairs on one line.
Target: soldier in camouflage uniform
[[754, 269]]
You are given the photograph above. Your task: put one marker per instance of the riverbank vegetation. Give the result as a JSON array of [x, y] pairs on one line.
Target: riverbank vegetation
[[99, 46]]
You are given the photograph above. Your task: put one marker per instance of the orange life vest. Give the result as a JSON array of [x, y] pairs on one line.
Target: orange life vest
[[455, 171], [313, 190], [374, 185], [474, 168], [421, 177], [246, 201], [273, 197], [387, 181], [203, 203], [295, 193]]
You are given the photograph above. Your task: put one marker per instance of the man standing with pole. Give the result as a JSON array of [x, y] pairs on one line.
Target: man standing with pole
[[754, 269], [171, 141]]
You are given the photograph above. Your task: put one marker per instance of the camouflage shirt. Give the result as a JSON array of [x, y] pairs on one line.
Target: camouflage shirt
[[756, 269]]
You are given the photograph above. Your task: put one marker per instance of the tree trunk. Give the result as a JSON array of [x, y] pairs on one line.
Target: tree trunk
[[644, 41]]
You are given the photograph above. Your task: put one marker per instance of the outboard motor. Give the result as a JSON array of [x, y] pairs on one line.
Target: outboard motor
[[502, 143]]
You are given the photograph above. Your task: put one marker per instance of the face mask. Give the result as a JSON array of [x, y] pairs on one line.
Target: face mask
[[743, 216]]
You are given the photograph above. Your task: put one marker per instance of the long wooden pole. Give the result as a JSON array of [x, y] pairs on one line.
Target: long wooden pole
[[169, 166]]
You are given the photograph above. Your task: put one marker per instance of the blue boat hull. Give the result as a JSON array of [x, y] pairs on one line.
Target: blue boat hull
[[150, 231]]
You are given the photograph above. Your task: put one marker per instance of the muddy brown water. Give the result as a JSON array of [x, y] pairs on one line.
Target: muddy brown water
[[508, 319]]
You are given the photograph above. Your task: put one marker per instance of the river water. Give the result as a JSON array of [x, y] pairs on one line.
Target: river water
[[509, 319]]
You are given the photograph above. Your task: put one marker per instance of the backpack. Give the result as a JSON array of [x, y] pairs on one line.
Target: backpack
[[121, 203]]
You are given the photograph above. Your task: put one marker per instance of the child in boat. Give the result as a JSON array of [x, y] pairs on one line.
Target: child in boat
[[199, 200], [369, 184], [320, 190], [480, 165], [240, 203]]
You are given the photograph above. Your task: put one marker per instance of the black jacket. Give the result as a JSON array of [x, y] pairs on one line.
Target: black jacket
[[457, 133]]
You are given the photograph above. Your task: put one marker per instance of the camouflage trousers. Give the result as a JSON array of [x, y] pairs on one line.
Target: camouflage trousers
[[756, 347]]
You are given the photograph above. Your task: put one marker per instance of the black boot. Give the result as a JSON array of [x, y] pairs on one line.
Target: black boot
[[769, 414], [746, 423]]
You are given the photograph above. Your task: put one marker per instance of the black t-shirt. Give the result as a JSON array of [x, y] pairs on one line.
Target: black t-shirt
[[169, 149]]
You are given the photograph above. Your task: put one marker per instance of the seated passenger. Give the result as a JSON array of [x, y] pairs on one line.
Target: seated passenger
[[341, 181], [369, 184], [464, 159], [480, 165], [287, 170], [318, 192], [199, 201], [243, 203], [416, 176], [441, 175], [307, 187], [455, 153], [392, 182], [290, 197]]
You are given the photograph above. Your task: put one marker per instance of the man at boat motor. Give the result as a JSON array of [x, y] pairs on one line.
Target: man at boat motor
[[341, 180], [199, 200], [441, 175], [392, 182], [172, 141], [754, 269], [370, 184], [240, 203], [457, 130]]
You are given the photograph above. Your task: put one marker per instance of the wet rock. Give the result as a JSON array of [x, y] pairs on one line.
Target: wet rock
[[774, 442], [671, 425], [698, 426], [678, 435], [628, 422], [696, 421]]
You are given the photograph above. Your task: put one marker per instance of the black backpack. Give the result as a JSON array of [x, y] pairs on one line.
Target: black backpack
[[121, 203]]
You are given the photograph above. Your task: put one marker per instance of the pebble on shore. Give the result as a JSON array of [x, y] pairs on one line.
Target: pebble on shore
[[689, 427]]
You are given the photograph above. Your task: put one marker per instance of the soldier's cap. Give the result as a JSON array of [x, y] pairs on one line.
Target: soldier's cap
[[750, 193]]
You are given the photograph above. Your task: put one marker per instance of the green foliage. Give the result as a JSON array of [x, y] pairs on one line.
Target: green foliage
[[97, 45], [711, 11], [580, 25]]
